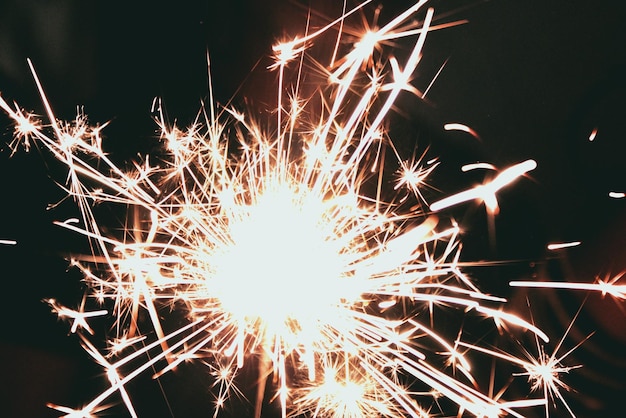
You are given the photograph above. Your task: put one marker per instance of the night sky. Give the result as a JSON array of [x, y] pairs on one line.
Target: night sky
[[532, 78]]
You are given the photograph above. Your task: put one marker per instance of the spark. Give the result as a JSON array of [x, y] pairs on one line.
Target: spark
[[461, 127], [593, 134], [76, 413], [561, 245], [274, 252], [476, 166], [118, 344], [414, 174], [26, 125], [544, 371], [608, 287], [487, 192], [617, 195], [79, 318]]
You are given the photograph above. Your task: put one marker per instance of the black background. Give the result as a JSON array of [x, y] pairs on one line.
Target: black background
[[533, 78]]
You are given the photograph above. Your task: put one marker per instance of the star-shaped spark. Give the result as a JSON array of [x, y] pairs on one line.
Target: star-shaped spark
[[78, 317]]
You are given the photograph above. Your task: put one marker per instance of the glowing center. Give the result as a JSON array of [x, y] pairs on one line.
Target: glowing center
[[280, 266]]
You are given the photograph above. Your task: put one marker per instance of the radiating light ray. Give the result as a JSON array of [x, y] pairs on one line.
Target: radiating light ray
[[618, 291], [543, 371], [78, 413], [414, 174], [432, 82], [79, 318], [546, 370], [26, 125], [265, 238]]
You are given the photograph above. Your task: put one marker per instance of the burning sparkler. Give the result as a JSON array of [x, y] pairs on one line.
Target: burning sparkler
[[277, 254]]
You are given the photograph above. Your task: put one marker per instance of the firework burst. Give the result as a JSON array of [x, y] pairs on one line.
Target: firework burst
[[268, 239]]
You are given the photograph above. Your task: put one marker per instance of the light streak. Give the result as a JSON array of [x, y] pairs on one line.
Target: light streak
[[275, 253], [561, 245], [543, 371], [618, 291], [617, 195], [476, 166], [8, 242], [79, 318], [593, 134], [461, 127], [487, 192]]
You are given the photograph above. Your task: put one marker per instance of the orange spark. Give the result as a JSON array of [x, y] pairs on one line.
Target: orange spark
[[593, 134], [461, 127]]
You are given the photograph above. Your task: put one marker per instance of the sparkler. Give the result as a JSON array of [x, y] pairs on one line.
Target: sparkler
[[277, 254]]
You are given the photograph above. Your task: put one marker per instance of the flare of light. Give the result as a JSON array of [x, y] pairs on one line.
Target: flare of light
[[273, 250]]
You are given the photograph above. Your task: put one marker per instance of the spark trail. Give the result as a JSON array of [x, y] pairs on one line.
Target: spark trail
[[275, 252]]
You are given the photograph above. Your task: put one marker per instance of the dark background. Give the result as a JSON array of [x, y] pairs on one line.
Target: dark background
[[533, 78]]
